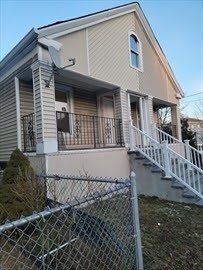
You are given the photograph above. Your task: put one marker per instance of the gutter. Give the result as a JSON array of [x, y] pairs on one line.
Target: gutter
[[31, 36]]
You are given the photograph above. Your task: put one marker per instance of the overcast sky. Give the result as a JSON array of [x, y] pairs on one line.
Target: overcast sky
[[178, 26]]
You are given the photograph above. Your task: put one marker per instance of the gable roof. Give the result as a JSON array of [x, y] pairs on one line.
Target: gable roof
[[86, 16], [61, 28]]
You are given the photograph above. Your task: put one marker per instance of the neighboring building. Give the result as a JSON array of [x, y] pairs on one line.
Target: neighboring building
[[196, 125], [75, 120]]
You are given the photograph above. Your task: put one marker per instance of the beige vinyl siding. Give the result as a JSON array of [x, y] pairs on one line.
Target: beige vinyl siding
[[109, 52], [117, 104], [8, 120], [38, 108], [118, 113], [44, 105], [26, 98], [26, 102], [85, 102], [125, 116], [75, 46], [171, 93], [110, 59], [48, 100]]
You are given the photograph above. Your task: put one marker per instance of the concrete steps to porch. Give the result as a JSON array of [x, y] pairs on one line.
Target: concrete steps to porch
[[170, 188]]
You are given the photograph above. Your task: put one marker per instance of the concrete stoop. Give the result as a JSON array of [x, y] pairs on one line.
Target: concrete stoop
[[151, 182]]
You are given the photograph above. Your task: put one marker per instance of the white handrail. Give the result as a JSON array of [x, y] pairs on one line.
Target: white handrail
[[168, 160], [192, 154], [161, 135]]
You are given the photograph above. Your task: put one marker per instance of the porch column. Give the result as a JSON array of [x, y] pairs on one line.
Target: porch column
[[146, 114], [125, 116], [175, 120], [44, 105], [150, 118]]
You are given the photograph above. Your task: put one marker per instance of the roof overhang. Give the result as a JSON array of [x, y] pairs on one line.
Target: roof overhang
[[82, 81]]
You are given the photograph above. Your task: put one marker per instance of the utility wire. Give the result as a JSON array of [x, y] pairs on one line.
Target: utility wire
[[194, 94], [187, 101]]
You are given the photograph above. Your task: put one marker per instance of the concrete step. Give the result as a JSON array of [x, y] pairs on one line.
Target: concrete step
[[188, 193], [155, 169], [147, 162], [177, 184]]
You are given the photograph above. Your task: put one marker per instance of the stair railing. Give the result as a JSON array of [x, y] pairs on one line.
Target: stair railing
[[185, 150], [168, 160]]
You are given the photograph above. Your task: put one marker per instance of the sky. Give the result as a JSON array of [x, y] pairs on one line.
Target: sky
[[177, 24]]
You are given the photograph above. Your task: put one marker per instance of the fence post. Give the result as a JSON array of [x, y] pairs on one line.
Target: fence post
[[136, 222], [166, 159]]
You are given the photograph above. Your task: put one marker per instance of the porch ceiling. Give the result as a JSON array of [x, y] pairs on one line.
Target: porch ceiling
[[158, 103], [79, 80]]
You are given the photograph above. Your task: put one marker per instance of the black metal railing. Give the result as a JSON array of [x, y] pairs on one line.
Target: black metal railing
[[88, 131], [29, 141]]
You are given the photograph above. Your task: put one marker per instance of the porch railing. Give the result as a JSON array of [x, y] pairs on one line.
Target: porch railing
[[78, 131], [172, 163], [184, 149], [29, 141]]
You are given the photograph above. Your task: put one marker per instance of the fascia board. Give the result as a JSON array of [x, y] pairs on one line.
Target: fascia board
[[31, 35], [83, 22]]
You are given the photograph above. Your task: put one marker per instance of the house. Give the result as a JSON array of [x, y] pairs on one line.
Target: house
[[196, 125], [76, 95]]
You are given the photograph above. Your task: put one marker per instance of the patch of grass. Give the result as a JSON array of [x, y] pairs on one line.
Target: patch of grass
[[171, 234]]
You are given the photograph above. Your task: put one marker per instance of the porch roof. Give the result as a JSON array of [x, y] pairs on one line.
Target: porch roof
[[79, 80]]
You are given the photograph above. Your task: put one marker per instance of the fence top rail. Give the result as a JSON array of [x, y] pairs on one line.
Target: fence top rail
[[87, 178], [9, 225]]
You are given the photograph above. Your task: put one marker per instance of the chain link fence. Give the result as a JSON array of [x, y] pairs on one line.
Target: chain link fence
[[88, 223]]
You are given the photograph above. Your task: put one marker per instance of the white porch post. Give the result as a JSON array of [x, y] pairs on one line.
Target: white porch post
[[146, 114], [166, 159], [130, 123], [44, 104], [150, 116], [142, 114], [175, 120], [19, 141]]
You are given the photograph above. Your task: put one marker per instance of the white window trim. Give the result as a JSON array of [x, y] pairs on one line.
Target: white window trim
[[140, 55]]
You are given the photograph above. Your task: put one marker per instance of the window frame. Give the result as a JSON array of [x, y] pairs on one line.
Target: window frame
[[68, 91], [137, 52]]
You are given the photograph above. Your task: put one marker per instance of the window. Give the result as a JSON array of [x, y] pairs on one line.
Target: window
[[62, 105], [134, 51]]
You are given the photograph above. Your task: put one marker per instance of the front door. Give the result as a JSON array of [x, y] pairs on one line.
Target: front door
[[109, 121], [62, 108]]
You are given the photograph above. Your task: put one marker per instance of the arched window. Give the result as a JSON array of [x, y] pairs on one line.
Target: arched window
[[134, 51]]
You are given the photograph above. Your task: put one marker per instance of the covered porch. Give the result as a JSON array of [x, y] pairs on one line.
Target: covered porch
[[73, 112], [148, 113]]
